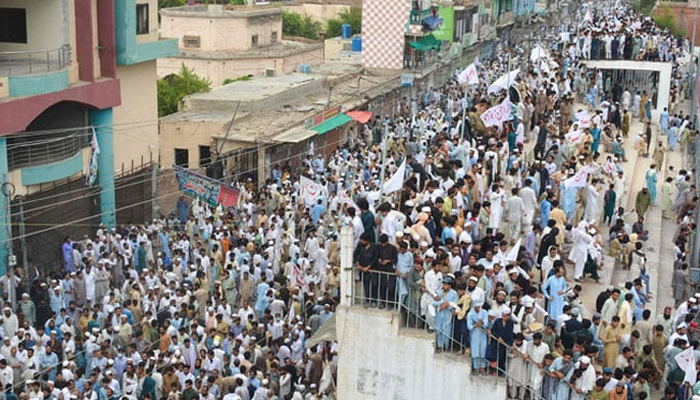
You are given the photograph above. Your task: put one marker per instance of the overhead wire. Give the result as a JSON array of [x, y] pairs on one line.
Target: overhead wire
[[71, 223]]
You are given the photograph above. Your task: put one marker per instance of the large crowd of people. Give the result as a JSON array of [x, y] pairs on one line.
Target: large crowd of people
[[487, 241]]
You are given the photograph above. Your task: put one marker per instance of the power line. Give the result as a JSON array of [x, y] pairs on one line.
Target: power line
[[167, 173]]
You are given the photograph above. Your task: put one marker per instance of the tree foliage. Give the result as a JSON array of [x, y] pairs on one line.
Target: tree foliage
[[352, 16], [644, 6], [296, 25], [170, 3], [665, 19], [173, 88]]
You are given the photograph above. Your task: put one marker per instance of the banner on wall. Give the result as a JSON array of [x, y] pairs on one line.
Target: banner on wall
[[208, 190]]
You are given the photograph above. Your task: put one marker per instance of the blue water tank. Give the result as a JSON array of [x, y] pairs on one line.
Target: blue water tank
[[357, 43], [346, 31]]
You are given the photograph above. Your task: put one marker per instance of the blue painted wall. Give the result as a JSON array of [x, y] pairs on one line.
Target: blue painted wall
[[128, 51], [54, 171], [32, 85], [102, 121]]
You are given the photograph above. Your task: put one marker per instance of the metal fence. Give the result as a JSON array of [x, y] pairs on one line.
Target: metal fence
[[13, 63], [490, 355]]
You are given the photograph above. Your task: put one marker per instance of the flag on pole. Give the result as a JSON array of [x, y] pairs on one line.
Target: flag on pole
[[686, 362], [94, 155], [396, 182], [513, 253], [503, 82], [588, 17]]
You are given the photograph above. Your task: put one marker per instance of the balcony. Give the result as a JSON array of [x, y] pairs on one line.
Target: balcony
[[19, 63], [53, 149]]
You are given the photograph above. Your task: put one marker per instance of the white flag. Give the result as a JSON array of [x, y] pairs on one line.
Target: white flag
[[503, 82], [686, 362], [396, 182], [513, 253], [309, 190], [469, 75], [588, 16], [579, 180]]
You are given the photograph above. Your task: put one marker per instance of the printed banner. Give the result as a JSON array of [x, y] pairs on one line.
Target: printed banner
[[496, 115], [209, 190], [579, 180]]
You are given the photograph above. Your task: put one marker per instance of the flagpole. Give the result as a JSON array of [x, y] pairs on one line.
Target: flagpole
[[381, 174]]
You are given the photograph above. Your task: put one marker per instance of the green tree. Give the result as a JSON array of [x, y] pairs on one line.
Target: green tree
[[296, 25], [665, 19], [170, 3], [173, 88], [351, 16]]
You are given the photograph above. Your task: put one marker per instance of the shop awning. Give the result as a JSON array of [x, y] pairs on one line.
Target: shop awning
[[360, 116], [426, 43], [332, 123], [294, 135]]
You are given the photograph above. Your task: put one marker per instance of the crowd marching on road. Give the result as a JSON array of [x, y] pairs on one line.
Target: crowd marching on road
[[500, 199]]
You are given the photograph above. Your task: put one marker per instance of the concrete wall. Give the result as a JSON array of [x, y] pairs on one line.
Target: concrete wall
[[684, 14], [152, 22], [186, 135], [377, 360], [44, 26], [222, 33], [219, 70], [139, 104], [664, 69]]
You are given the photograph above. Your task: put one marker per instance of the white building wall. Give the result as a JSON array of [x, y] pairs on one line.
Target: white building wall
[[377, 360], [663, 68]]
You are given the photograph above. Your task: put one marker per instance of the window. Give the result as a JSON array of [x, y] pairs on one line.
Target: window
[[142, 19], [204, 156], [191, 41], [254, 40], [273, 37], [182, 157], [13, 25]]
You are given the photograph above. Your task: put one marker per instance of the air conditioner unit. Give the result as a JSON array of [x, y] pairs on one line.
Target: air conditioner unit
[[270, 72]]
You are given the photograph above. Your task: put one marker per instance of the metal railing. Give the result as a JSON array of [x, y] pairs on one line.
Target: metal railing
[[52, 149], [14, 63], [492, 356]]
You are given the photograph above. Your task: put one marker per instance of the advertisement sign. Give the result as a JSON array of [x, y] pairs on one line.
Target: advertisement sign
[[322, 116], [206, 189], [446, 30]]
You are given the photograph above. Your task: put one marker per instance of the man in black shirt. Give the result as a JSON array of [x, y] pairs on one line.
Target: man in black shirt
[[387, 255], [365, 258]]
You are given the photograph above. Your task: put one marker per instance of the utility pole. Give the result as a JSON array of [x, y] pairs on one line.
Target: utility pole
[[382, 144], [692, 68]]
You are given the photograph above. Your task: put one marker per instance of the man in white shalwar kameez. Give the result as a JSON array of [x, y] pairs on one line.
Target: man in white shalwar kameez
[[517, 367], [592, 208], [586, 382], [497, 198], [515, 215], [536, 352], [579, 252], [529, 203]]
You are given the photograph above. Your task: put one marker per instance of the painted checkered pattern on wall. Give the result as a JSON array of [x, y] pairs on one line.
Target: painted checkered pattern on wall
[[383, 28]]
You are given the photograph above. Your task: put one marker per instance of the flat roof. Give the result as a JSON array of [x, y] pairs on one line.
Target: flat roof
[[221, 11], [256, 88]]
